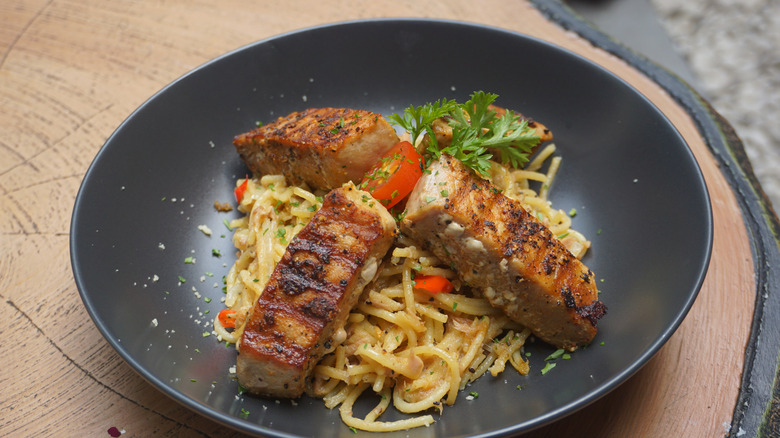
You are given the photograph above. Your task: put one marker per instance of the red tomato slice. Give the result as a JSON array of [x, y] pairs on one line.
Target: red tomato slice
[[395, 175], [227, 317], [239, 191], [432, 283]]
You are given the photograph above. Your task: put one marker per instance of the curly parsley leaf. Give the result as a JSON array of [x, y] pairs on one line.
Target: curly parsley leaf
[[419, 119], [477, 131]]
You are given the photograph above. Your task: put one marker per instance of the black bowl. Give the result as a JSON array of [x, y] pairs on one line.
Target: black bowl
[[639, 194]]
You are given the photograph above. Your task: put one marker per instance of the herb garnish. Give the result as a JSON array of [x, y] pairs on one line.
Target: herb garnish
[[477, 131]]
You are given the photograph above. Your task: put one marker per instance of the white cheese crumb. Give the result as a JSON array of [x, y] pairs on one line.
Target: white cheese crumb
[[304, 98], [469, 397], [369, 270], [155, 278], [154, 322], [454, 229], [473, 244], [161, 246], [205, 229], [232, 370]]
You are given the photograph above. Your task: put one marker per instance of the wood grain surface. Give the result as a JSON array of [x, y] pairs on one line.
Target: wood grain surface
[[72, 70]]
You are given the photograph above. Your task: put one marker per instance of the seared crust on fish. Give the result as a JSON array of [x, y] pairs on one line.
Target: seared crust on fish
[[322, 147], [500, 249], [311, 292]]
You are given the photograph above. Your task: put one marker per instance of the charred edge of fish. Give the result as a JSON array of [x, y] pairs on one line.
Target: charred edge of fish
[[591, 312]]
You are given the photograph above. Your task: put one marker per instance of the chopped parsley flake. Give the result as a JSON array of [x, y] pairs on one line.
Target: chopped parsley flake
[[189, 260], [216, 253], [555, 355], [280, 233], [548, 367]]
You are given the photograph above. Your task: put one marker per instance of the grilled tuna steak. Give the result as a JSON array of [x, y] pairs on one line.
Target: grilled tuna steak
[[500, 249], [311, 292], [322, 147]]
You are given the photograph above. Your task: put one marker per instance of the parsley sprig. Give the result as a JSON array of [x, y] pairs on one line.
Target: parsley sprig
[[477, 131], [419, 119]]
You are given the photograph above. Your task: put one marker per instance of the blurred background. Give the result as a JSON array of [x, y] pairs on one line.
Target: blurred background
[[728, 50]]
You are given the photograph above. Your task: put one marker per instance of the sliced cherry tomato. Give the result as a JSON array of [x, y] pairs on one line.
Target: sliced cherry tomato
[[395, 175], [432, 283], [227, 317], [239, 191]]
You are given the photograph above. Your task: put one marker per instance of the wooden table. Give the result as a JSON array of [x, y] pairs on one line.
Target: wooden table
[[72, 70]]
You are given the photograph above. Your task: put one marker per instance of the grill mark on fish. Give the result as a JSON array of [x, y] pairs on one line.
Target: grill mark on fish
[[321, 147], [541, 284], [311, 292]]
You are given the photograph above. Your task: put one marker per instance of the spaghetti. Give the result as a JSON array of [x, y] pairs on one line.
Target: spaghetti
[[411, 347]]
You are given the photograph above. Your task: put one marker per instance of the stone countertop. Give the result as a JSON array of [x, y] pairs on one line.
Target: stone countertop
[[725, 49], [732, 47]]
